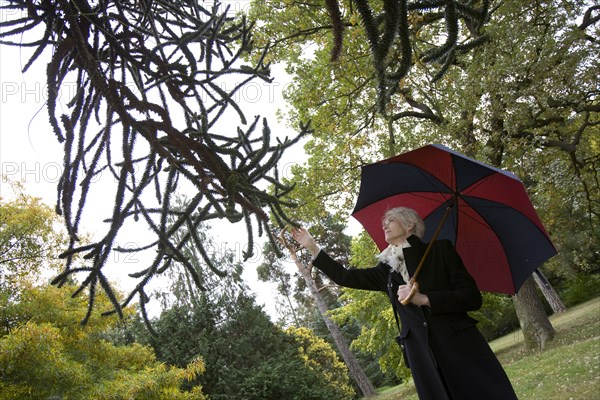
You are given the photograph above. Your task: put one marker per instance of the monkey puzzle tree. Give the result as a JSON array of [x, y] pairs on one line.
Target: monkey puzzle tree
[[155, 81]]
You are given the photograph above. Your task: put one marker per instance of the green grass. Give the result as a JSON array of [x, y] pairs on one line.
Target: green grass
[[568, 369]]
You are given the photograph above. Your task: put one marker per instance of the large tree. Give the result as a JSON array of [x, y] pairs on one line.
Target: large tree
[[529, 95], [499, 102]]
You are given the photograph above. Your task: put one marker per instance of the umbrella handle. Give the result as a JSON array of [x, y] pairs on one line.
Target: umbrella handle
[[413, 281], [413, 291]]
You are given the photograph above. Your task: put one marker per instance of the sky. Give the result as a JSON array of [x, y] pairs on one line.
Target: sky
[[30, 153]]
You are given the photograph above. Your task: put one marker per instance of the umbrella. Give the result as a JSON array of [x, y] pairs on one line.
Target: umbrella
[[484, 211]]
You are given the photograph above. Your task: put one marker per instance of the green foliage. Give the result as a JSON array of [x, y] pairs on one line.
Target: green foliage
[[304, 367], [46, 352], [326, 94], [244, 353], [321, 360], [496, 316], [364, 250], [390, 29], [576, 248], [29, 238]]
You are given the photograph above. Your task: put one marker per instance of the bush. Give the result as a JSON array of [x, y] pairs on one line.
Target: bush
[[497, 316], [582, 288]]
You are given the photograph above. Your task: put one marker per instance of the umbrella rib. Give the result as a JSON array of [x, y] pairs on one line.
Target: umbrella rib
[[488, 226], [433, 181], [478, 213], [500, 205]]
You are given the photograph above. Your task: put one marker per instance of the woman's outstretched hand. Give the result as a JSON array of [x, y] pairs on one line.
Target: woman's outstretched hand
[[302, 236]]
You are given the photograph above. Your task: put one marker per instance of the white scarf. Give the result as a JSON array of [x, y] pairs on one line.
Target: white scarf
[[394, 257]]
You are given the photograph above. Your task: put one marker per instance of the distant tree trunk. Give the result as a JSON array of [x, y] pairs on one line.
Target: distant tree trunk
[[549, 293], [288, 299], [357, 373], [536, 326]]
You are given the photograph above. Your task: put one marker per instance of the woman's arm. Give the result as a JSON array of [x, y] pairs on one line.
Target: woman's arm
[[367, 279]]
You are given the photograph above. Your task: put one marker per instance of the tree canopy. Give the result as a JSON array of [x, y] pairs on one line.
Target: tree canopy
[[526, 101], [28, 240]]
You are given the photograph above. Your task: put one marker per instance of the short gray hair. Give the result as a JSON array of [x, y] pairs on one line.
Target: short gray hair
[[407, 215]]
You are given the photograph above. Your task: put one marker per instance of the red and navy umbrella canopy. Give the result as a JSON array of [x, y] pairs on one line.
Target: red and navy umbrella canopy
[[492, 222]]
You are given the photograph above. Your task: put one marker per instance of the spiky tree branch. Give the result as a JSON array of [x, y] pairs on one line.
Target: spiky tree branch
[[389, 35], [153, 80]]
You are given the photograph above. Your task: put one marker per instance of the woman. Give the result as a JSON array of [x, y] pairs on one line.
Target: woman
[[447, 355]]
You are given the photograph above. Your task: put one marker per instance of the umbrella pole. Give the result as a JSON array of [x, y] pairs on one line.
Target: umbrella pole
[[413, 280]]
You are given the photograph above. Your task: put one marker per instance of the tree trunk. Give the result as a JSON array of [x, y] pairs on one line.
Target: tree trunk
[[357, 373], [534, 322], [536, 326], [549, 293]]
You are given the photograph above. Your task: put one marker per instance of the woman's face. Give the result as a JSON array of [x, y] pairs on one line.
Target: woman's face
[[395, 230]]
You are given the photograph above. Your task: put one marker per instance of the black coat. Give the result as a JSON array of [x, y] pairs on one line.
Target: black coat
[[447, 355]]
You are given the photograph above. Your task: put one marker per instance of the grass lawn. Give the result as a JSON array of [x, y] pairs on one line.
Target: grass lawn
[[568, 369]]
